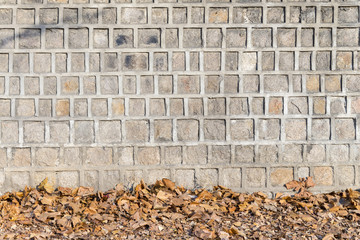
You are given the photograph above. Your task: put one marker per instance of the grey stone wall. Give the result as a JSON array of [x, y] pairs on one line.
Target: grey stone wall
[[248, 94]]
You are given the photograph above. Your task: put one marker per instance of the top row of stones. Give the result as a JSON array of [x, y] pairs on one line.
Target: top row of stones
[[181, 15], [159, 1]]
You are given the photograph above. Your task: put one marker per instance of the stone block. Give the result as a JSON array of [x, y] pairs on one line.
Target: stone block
[[80, 108], [325, 37], [137, 107], [29, 38], [62, 107], [267, 154], [231, 61], [323, 176], [123, 38], [49, 16], [286, 37], [218, 15], [344, 60], [315, 153], [50, 85], [5, 108], [78, 33], [98, 156], [242, 129], [46, 157], [70, 85], [109, 85], [133, 15], [244, 154], [333, 83], [261, 37], [149, 38], [185, 178], [146, 84], [148, 156], [298, 105], [295, 129], [69, 179], [124, 156], [281, 176], [269, 129], [338, 153], [25, 16], [337, 105], [110, 62], [31, 86], [165, 84], [178, 61], [45, 107], [220, 154], [352, 83], [59, 132], [214, 130], [268, 61], [6, 15], [276, 106], [216, 106], [276, 83], [7, 37], [157, 107], [14, 85], [214, 37], [257, 106], [276, 15], [320, 129], [346, 175], [18, 180], [172, 155], [327, 14], [286, 61], [355, 105], [60, 62], [160, 62], [109, 15], [323, 60], [207, 178], [255, 177], [89, 15], [21, 62], [188, 84], [70, 15], [195, 107], [247, 15], [251, 83], [195, 154], [84, 132], [235, 37], [42, 62], [101, 38], [176, 107], [91, 178], [238, 106], [110, 179], [212, 61], [197, 15], [159, 15], [348, 14], [25, 107], [308, 15], [344, 129], [305, 60], [179, 15], [34, 132], [118, 107], [248, 61], [109, 131], [134, 61], [192, 38], [4, 59], [347, 37], [99, 107], [72, 156], [312, 83], [319, 105], [187, 130], [232, 178], [172, 38], [163, 130], [307, 37], [292, 153], [9, 132], [21, 157], [137, 131]]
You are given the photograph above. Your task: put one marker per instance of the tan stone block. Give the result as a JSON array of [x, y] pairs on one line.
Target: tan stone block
[[25, 107], [117, 106], [276, 105], [323, 176], [62, 107], [47, 157], [333, 83], [319, 105], [344, 60], [21, 157], [218, 15], [312, 83], [281, 176], [148, 156]]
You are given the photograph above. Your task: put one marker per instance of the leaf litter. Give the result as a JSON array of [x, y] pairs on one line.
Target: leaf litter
[[166, 211]]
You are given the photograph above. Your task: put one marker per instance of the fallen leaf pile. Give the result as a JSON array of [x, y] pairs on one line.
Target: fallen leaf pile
[[166, 211]]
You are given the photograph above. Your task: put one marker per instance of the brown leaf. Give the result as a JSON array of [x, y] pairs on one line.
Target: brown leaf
[[169, 184], [309, 182], [46, 186]]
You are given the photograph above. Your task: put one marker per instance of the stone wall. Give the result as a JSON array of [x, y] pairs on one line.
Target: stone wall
[[248, 94]]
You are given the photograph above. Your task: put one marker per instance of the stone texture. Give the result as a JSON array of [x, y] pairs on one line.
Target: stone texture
[[281, 176]]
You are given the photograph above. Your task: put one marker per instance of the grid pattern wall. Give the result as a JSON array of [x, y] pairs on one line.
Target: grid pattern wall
[[249, 94]]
